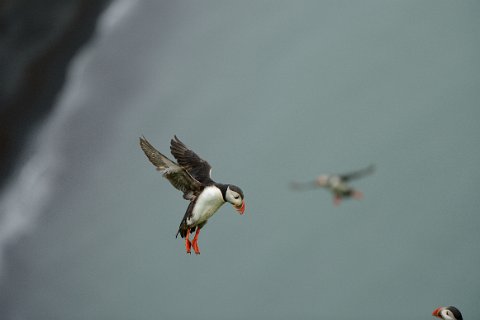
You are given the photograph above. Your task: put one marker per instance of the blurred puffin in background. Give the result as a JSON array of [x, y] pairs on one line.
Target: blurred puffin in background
[[337, 184]]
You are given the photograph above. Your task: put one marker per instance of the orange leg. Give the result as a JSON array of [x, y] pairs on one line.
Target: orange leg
[[337, 199], [195, 242], [357, 195], [188, 244]]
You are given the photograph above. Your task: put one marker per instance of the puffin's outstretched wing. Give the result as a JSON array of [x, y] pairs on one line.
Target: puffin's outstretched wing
[[196, 166], [357, 174], [177, 175]]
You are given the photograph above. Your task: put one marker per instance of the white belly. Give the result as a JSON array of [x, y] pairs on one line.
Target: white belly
[[337, 185], [207, 204]]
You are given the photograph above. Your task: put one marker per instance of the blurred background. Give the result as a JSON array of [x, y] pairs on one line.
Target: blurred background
[[268, 92]]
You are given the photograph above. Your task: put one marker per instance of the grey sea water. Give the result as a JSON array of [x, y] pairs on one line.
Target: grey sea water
[[268, 92]]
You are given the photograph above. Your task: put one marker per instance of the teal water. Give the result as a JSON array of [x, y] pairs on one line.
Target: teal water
[[268, 92]]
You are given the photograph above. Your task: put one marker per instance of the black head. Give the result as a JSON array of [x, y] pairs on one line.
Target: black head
[[456, 313], [233, 195], [236, 189]]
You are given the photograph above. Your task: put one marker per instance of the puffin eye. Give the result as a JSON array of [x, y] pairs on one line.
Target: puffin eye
[[236, 196]]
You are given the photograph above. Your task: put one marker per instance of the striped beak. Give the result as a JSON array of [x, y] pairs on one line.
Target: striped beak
[[436, 312], [240, 208]]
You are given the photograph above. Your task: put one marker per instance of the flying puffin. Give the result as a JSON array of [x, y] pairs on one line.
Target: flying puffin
[[191, 175], [337, 184], [447, 313]]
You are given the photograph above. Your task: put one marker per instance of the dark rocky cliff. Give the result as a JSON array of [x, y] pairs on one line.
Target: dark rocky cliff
[[37, 41]]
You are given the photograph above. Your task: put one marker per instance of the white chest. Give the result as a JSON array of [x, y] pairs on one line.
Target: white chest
[[336, 184], [208, 202]]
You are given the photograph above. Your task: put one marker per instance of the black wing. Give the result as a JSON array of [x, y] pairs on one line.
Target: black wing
[[177, 175], [357, 174], [196, 166]]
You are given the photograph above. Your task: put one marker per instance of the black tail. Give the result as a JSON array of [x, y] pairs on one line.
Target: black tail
[[182, 229]]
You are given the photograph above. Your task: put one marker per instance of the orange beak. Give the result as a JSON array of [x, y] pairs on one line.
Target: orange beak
[[241, 208], [436, 312]]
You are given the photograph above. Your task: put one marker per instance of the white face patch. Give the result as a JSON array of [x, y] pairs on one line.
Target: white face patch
[[233, 197], [447, 314]]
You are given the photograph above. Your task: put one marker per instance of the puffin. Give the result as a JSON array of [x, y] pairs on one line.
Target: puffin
[[192, 176], [337, 184], [447, 313]]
